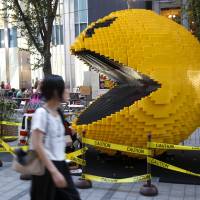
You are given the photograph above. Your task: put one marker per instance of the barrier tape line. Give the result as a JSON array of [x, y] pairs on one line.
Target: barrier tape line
[[78, 152], [77, 160], [10, 123], [74, 156], [117, 147], [11, 149], [159, 163], [6, 146], [111, 180], [10, 137], [155, 145]]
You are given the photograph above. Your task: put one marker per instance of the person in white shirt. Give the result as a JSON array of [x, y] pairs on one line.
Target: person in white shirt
[[48, 140]]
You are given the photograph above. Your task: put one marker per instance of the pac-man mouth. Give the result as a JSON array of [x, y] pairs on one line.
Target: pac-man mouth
[[131, 86]]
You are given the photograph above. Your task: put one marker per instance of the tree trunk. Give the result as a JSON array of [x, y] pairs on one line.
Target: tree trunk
[[47, 63]]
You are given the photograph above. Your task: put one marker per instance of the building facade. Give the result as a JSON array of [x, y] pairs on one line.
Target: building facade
[[74, 16]]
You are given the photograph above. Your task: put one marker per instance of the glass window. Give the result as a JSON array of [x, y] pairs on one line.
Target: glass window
[[12, 33], [57, 35], [83, 26], [83, 16], [76, 16], [54, 35], [76, 30], [75, 5], [2, 38], [82, 4], [61, 35]]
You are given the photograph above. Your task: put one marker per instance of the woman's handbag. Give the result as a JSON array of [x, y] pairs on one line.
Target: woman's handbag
[[27, 163]]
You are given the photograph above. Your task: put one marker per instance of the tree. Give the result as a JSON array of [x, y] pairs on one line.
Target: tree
[[194, 14], [35, 18]]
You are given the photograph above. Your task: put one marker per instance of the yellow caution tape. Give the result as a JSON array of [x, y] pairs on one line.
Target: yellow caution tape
[[159, 163], [10, 123], [77, 153], [117, 147], [78, 160], [155, 145], [6, 146], [112, 180], [9, 137], [2, 149], [74, 156]]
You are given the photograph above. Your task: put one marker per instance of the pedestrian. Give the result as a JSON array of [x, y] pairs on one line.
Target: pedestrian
[[36, 83], [48, 140], [8, 86], [2, 85], [20, 95]]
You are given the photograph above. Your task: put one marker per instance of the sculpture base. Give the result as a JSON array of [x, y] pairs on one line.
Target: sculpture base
[[83, 184], [149, 191]]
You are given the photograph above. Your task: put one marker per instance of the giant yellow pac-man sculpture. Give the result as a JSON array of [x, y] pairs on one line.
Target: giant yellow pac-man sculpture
[[156, 65]]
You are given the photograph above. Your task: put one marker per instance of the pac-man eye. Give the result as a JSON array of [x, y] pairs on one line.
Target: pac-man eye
[[106, 23], [130, 87]]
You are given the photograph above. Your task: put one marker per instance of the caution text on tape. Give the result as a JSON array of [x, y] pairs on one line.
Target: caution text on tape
[[9, 137], [78, 152], [74, 156], [159, 163], [77, 160], [156, 145], [112, 180], [117, 147], [10, 123]]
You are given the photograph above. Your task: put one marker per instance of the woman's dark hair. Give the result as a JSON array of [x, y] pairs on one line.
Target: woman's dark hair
[[52, 85]]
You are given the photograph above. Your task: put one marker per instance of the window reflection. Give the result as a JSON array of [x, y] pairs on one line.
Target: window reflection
[[2, 45], [81, 15], [12, 34]]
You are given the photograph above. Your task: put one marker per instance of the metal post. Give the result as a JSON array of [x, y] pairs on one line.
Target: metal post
[[149, 189], [1, 130], [83, 183]]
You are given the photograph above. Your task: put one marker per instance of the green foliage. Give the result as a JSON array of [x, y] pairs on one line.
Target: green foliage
[[34, 19], [194, 13], [7, 109]]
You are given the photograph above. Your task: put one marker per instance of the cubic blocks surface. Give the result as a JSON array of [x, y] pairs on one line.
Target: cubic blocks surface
[[166, 52]]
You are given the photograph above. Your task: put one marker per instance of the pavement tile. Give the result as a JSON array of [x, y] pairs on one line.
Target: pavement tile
[[176, 198], [190, 198], [144, 198], [161, 197], [119, 194], [11, 188]]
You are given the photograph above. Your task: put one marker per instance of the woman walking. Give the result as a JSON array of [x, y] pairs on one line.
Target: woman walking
[[48, 140]]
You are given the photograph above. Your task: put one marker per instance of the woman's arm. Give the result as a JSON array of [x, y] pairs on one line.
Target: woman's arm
[[37, 141]]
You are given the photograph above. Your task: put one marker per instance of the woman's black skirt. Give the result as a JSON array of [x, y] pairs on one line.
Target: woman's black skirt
[[43, 187]]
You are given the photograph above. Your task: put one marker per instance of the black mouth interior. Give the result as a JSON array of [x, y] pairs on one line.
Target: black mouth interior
[[131, 86]]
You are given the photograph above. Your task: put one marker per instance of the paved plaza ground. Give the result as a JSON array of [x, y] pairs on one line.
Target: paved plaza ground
[[12, 188]]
